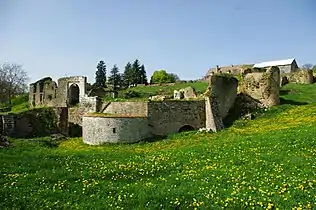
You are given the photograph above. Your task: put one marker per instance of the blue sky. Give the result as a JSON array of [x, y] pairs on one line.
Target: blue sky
[[60, 38]]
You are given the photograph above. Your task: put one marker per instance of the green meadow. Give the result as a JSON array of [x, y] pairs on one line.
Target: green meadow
[[265, 163]]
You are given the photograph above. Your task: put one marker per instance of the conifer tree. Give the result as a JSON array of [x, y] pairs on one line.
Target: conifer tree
[[100, 75], [136, 72], [114, 78], [143, 76], [128, 74]]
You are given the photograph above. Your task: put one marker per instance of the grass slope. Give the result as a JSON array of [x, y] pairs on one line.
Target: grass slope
[[269, 162], [167, 89], [18, 104]]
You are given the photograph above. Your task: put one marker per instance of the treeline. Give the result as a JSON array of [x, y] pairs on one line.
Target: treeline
[[134, 73]]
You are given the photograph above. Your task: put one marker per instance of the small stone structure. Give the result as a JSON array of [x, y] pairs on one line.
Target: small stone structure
[[185, 93], [264, 87], [285, 66], [299, 77], [99, 129], [233, 69]]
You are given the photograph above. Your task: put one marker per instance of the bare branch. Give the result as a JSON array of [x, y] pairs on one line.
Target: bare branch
[[13, 81]]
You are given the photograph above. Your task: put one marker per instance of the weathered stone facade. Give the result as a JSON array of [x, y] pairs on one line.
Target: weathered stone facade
[[114, 129], [163, 117], [285, 66], [139, 108], [233, 69], [36, 122], [43, 93], [300, 77], [69, 92], [219, 99], [104, 121], [264, 87], [174, 116]]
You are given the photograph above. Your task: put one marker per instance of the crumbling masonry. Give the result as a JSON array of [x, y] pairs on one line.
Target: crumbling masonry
[[104, 121]]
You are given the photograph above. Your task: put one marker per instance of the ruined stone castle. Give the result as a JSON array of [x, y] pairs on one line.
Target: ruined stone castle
[[130, 121], [105, 121]]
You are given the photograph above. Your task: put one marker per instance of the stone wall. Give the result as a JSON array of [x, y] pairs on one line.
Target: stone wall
[[285, 68], [263, 87], [126, 108], [64, 85], [300, 77], [37, 122], [170, 116], [225, 90], [43, 93], [219, 99], [101, 129]]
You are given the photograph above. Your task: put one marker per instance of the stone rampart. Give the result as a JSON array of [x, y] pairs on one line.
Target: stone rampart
[[172, 116], [98, 130], [126, 108]]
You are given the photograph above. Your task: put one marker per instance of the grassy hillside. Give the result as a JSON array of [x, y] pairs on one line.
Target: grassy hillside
[[144, 92], [269, 162], [18, 104], [200, 87]]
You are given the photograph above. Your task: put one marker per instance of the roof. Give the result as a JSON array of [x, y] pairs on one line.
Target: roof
[[274, 63]]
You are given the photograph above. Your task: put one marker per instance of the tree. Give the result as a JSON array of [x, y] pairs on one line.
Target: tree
[[307, 66], [128, 74], [136, 72], [161, 76], [121, 82], [174, 77], [100, 75], [13, 81], [143, 76], [115, 77]]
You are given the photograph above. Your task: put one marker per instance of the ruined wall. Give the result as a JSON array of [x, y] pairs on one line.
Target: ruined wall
[[36, 122], [87, 105], [225, 90], [285, 68], [170, 116], [98, 130], [300, 77], [263, 87], [64, 85], [219, 99], [126, 108], [43, 93]]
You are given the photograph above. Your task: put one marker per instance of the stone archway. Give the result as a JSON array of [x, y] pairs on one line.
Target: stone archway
[[73, 95], [186, 128]]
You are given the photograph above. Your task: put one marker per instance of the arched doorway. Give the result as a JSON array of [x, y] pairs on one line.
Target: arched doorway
[[186, 128], [73, 95]]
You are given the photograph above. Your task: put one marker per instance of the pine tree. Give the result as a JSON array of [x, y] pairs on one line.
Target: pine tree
[[114, 78], [128, 74], [136, 72], [100, 74], [143, 76]]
